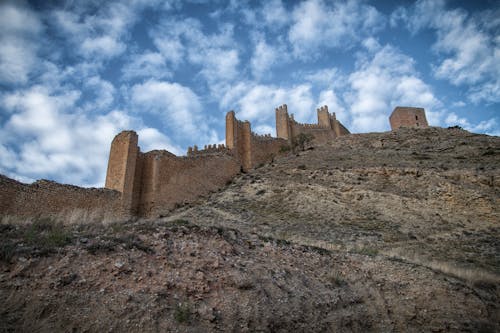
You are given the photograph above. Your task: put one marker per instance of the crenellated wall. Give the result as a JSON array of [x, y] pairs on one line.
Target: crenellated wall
[[154, 182], [327, 128]]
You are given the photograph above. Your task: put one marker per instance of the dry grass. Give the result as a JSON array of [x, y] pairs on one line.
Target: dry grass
[[474, 276], [67, 218]]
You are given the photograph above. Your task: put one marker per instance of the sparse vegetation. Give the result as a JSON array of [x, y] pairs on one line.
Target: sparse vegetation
[[182, 313], [336, 279], [47, 234], [302, 140]]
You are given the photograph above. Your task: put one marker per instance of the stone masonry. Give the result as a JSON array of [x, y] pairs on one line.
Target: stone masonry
[[404, 116], [152, 183]]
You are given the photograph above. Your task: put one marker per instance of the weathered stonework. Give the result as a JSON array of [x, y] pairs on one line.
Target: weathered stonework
[[153, 183], [404, 116], [327, 128], [46, 198]]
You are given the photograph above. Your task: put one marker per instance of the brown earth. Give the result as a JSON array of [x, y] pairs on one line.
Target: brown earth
[[396, 231]]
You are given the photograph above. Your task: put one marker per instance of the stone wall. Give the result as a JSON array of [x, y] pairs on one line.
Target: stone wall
[[170, 180], [46, 198], [404, 116], [327, 128]]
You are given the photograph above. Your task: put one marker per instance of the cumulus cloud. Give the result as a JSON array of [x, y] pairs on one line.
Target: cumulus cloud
[[383, 80], [97, 32], [178, 106], [45, 136], [20, 27], [264, 57], [469, 45], [319, 25], [146, 65], [216, 54]]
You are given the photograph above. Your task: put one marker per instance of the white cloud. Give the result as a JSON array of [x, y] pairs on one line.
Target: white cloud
[[318, 25], [179, 106], [216, 54], [47, 135], [53, 140], [148, 64], [104, 93], [264, 57], [274, 13], [469, 46], [489, 126], [20, 28], [256, 102], [151, 138], [382, 81], [97, 32], [329, 98]]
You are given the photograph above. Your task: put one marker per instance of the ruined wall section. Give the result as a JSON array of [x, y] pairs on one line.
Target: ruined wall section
[[47, 198], [122, 163], [404, 116], [213, 149], [170, 180]]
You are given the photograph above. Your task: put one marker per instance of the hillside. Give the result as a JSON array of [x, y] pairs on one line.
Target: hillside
[[396, 231]]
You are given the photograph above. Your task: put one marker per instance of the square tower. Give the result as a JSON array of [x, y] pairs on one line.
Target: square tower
[[406, 116]]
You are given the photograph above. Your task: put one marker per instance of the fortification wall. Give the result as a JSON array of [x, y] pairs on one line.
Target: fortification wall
[[265, 148], [321, 135], [46, 198], [170, 180], [327, 128]]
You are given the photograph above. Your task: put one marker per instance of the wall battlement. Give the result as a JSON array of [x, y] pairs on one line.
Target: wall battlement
[[327, 128], [152, 183]]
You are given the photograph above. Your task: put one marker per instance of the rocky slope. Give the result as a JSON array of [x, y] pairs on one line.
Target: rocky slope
[[395, 231]]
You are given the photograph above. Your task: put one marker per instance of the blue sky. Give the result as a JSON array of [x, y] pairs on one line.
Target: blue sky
[[75, 73]]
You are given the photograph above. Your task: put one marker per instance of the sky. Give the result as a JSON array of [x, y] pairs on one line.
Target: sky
[[73, 74]]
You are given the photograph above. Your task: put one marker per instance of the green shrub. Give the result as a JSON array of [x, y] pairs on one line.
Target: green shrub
[[47, 234], [182, 313]]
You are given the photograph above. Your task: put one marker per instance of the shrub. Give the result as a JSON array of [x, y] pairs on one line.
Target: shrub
[[182, 313], [47, 234], [301, 140]]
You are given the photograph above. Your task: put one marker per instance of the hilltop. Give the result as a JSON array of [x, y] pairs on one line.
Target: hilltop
[[396, 231]]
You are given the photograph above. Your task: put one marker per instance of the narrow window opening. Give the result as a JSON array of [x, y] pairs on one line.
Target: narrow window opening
[[416, 117], [417, 125]]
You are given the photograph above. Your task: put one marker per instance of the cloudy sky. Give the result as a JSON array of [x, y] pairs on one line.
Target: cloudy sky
[[75, 73]]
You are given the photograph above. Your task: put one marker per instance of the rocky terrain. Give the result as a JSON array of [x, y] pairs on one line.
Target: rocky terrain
[[384, 232]]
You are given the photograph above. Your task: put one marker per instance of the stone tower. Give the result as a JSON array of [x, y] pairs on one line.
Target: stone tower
[[283, 129], [404, 116]]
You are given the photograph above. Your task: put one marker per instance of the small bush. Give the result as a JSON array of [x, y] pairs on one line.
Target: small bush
[[47, 234], [7, 251], [367, 251], [182, 313], [285, 149], [337, 280]]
